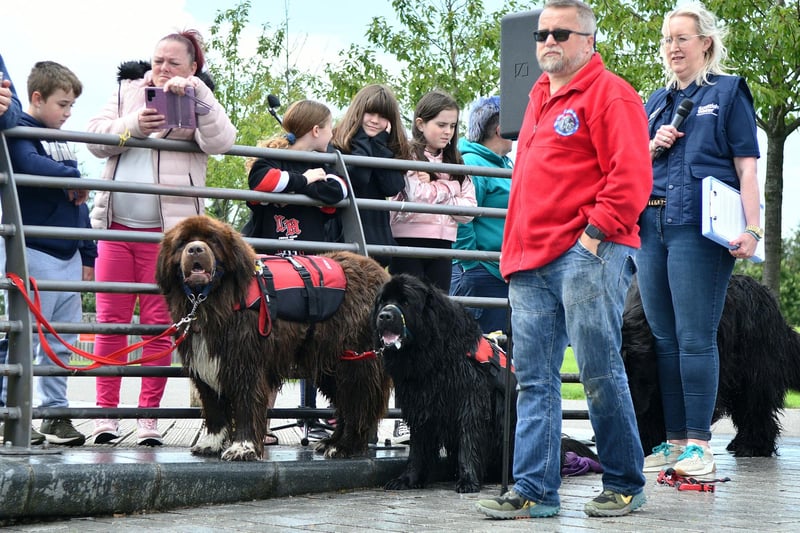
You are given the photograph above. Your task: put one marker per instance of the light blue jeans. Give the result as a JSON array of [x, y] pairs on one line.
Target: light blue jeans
[[577, 299], [56, 307], [683, 278]]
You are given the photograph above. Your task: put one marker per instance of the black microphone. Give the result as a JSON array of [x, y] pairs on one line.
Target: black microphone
[[680, 115], [273, 102]]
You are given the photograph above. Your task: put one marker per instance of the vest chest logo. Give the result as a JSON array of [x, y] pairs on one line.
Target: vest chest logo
[[708, 109], [566, 123]]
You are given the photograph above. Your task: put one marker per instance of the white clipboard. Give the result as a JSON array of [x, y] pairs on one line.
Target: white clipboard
[[723, 215]]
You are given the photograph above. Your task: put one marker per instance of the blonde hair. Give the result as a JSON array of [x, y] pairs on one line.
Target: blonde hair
[[706, 25], [300, 118]]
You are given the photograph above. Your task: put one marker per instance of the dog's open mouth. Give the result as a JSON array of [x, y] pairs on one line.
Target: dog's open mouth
[[391, 339], [197, 276]]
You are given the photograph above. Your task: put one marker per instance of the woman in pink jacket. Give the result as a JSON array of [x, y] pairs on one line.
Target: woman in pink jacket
[[435, 126], [177, 64]]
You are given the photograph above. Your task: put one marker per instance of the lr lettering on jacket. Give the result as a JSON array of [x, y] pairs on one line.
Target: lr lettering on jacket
[[289, 226]]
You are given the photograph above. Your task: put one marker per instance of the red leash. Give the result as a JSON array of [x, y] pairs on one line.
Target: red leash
[[673, 479], [41, 321]]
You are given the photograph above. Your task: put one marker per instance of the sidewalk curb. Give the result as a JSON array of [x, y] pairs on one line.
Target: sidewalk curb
[[41, 490]]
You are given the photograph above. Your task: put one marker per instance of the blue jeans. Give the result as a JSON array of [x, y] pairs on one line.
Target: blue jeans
[[683, 278], [577, 299], [480, 283]]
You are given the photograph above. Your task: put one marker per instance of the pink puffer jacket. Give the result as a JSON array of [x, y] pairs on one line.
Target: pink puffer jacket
[[214, 134]]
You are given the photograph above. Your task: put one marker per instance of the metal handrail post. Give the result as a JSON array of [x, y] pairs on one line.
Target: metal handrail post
[[19, 397]]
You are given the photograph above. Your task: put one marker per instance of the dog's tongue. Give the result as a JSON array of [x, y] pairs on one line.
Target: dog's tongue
[[391, 338], [198, 277]]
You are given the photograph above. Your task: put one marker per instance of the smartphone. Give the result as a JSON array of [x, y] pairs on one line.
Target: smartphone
[[178, 110]]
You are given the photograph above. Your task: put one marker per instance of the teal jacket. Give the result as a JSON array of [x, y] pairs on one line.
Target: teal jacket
[[483, 233]]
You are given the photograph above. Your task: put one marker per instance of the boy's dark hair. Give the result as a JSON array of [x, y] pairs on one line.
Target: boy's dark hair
[[47, 77]]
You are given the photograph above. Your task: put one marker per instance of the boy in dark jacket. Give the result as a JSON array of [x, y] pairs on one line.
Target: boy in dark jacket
[[52, 91]]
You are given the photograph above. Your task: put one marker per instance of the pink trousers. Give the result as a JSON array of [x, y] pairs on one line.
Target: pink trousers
[[129, 262]]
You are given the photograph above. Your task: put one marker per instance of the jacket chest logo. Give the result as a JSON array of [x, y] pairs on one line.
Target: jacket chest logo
[[566, 123], [708, 109]]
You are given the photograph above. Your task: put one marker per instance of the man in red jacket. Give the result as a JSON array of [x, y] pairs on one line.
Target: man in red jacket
[[581, 177]]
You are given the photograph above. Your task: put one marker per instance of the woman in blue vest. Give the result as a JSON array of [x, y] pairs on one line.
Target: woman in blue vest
[[683, 276]]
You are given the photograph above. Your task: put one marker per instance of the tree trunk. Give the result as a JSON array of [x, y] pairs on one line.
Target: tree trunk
[[773, 194]]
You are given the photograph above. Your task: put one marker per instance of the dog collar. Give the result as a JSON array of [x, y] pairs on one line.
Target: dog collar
[[201, 295]]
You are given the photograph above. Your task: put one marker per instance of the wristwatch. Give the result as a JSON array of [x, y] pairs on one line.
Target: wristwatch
[[594, 232]]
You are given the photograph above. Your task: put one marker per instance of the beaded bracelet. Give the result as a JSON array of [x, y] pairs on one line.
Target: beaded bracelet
[[753, 233]]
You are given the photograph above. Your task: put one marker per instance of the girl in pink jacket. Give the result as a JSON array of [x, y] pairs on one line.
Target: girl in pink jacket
[[435, 126]]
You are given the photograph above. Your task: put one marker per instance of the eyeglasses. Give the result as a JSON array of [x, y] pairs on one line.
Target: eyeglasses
[[680, 39], [560, 36]]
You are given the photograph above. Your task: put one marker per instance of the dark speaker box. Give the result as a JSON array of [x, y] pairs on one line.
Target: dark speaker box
[[519, 69]]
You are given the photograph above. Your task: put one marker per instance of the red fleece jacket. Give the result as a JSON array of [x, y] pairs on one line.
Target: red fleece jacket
[[582, 156]]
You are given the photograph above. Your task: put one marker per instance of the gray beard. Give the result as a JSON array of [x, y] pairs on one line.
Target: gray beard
[[559, 65]]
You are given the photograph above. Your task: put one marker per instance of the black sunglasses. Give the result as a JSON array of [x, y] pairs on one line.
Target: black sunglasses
[[560, 36]]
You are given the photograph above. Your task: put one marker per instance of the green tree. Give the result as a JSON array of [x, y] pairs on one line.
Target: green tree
[[245, 78], [447, 44], [243, 82], [763, 46]]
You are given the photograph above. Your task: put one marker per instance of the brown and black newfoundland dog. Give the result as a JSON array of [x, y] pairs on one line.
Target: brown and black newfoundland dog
[[450, 384], [235, 354]]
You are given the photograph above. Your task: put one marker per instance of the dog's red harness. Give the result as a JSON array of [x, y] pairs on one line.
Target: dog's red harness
[[298, 288], [489, 352]]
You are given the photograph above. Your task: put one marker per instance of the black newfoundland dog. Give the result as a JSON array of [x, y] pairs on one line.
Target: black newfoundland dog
[[235, 354], [759, 361], [450, 384]]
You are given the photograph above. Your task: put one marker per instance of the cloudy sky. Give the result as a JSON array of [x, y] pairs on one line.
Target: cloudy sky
[[93, 38]]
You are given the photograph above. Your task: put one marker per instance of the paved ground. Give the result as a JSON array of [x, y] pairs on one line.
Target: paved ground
[[296, 490], [762, 496]]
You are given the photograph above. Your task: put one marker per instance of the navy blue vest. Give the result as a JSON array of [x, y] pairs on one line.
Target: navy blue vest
[[705, 149]]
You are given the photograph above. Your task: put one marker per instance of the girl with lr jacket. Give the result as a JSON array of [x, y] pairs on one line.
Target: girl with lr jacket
[[435, 126], [177, 64]]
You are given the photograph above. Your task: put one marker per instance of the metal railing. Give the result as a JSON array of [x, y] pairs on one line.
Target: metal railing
[[20, 370]]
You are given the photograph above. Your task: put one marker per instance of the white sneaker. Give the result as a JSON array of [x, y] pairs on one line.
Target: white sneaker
[[695, 461], [147, 432], [401, 433], [105, 430], [664, 455]]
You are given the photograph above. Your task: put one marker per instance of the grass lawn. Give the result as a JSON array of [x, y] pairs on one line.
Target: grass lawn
[[574, 391]]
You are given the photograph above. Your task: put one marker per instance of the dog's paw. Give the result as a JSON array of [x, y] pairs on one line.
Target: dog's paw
[[403, 483], [464, 486], [334, 452], [322, 446], [209, 445], [241, 451], [331, 450]]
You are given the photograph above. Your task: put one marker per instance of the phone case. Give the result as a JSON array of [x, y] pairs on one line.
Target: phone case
[[178, 110]]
